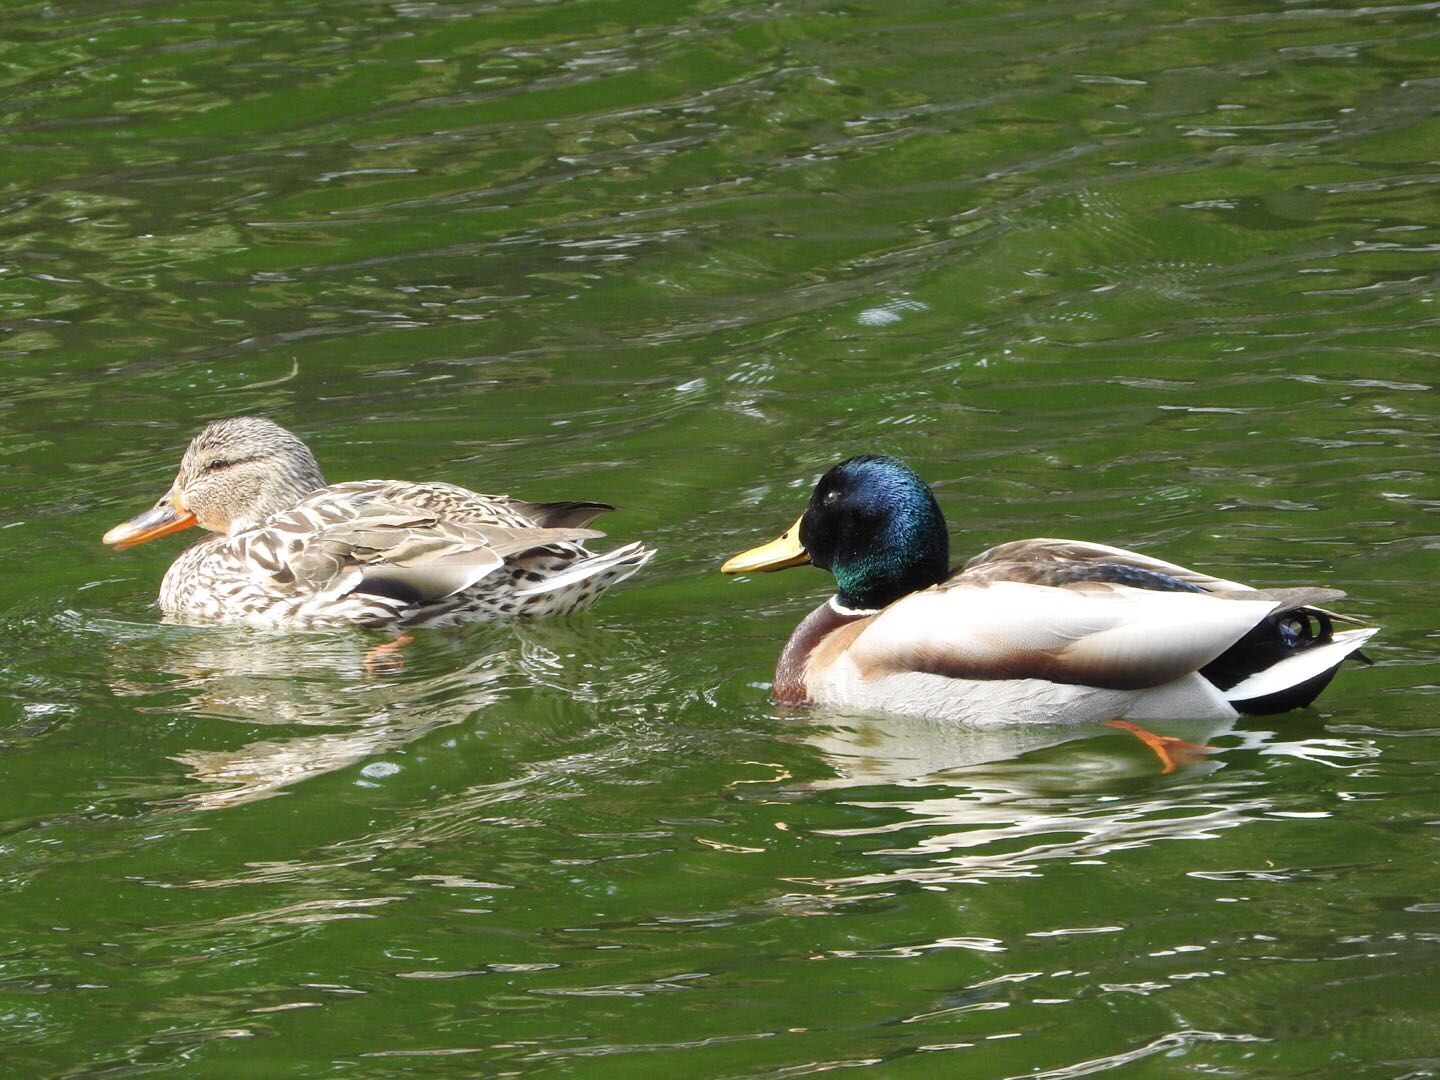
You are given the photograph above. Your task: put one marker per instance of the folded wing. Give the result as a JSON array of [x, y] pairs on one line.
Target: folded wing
[[374, 540], [1098, 634]]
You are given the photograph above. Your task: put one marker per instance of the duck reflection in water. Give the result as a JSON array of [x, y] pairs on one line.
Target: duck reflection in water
[[917, 749], [958, 805], [321, 680]]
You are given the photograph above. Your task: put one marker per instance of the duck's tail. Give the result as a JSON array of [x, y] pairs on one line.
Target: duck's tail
[[1284, 662], [578, 585], [572, 514]]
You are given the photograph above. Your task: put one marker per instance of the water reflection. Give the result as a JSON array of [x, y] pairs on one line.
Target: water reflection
[[913, 750], [973, 806], [321, 680]]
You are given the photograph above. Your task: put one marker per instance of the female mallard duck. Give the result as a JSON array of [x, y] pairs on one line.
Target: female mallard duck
[[1031, 631], [295, 553]]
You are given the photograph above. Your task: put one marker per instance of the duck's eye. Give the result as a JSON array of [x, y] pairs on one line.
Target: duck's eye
[[217, 465], [831, 497]]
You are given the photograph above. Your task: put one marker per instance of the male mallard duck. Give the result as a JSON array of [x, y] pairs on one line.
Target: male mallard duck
[[295, 553], [1031, 631]]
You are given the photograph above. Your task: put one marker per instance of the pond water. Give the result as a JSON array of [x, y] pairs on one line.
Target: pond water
[[1150, 274]]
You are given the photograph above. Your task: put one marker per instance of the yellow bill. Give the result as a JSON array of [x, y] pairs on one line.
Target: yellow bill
[[779, 554]]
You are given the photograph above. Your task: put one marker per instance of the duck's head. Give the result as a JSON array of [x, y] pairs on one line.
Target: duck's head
[[874, 524], [234, 474]]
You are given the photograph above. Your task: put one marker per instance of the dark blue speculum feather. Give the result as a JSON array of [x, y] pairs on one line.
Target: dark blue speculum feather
[[875, 525]]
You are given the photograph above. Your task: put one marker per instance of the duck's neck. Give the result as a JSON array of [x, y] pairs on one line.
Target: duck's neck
[[284, 490], [911, 552], [830, 616]]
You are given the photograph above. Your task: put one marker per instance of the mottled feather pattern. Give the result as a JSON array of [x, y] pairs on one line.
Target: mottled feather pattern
[[378, 552]]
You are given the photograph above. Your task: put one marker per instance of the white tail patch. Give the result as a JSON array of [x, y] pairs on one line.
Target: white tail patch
[[1300, 666], [626, 560]]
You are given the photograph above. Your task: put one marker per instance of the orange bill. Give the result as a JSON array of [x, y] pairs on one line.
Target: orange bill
[[164, 519]]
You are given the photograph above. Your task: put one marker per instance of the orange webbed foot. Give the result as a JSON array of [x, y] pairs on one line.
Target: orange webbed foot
[[386, 659], [1172, 752]]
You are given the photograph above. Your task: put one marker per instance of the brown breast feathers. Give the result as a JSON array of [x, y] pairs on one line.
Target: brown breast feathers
[[820, 638]]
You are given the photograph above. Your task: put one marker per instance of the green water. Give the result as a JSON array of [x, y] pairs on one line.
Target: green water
[[1151, 274]]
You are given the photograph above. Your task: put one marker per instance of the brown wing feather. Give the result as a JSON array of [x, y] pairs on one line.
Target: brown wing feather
[[449, 502], [1082, 566], [400, 534], [1050, 561], [563, 515]]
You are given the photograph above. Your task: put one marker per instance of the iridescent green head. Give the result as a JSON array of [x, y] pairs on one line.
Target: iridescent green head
[[874, 524]]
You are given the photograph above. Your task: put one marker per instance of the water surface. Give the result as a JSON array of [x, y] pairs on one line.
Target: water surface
[[1151, 275]]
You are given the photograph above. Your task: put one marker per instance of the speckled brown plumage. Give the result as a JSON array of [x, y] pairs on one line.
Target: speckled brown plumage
[[295, 553]]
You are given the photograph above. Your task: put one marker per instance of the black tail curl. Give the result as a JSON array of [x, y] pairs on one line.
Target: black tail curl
[[1278, 635]]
